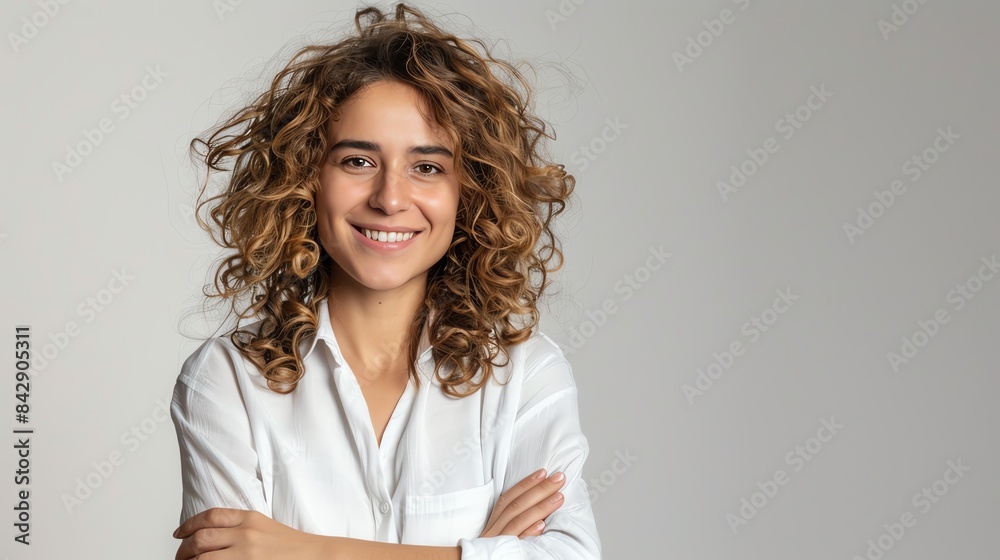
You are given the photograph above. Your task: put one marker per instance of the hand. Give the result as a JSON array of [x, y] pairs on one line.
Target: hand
[[521, 510], [245, 534]]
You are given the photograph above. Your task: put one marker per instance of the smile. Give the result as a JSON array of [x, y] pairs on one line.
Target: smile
[[384, 240], [386, 236]]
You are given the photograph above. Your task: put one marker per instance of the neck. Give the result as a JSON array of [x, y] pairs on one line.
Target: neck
[[373, 326]]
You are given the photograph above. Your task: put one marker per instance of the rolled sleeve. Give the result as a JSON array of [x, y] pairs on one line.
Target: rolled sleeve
[[547, 434], [219, 464]]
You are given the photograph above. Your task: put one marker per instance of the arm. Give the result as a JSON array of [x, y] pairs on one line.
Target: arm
[[219, 465], [531, 494], [341, 548], [235, 534], [547, 433]]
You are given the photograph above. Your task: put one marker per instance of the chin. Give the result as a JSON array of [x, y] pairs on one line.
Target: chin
[[382, 286], [384, 283]]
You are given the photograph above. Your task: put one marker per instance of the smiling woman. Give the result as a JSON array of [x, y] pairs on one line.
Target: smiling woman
[[388, 219]]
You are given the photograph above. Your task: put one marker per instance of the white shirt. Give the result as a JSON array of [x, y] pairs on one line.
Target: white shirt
[[309, 459]]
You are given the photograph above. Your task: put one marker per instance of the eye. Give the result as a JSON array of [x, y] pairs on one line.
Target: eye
[[354, 162], [428, 169]]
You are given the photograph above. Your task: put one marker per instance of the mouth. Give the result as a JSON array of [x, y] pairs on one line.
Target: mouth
[[385, 237]]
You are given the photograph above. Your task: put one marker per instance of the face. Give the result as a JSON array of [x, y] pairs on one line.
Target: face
[[389, 175]]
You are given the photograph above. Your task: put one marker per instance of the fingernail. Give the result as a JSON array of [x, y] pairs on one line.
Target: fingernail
[[556, 497], [540, 473], [176, 531], [557, 477], [539, 526]]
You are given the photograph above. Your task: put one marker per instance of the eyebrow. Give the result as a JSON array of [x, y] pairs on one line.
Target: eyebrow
[[374, 147]]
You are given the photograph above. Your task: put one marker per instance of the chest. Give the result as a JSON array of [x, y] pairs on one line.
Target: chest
[[382, 385], [381, 399], [431, 483]]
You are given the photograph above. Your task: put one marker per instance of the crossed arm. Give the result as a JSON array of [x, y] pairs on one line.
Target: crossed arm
[[239, 534]]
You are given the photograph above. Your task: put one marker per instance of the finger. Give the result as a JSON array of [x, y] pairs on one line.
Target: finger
[[513, 492], [533, 531], [204, 541], [522, 512], [528, 518], [215, 517]]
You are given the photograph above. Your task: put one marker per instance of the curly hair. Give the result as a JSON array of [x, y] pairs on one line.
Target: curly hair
[[503, 247]]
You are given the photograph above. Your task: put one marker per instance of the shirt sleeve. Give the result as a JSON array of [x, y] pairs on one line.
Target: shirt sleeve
[[547, 434], [219, 464]]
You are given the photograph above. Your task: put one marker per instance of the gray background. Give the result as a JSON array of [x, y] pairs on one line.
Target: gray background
[[653, 185]]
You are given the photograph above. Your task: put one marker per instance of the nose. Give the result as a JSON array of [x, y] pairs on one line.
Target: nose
[[391, 190]]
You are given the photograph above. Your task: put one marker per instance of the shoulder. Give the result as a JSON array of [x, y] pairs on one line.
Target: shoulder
[[208, 357], [542, 360], [545, 372], [212, 400], [216, 368]]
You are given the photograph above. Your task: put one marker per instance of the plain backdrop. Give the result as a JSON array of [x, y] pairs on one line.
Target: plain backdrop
[[781, 288]]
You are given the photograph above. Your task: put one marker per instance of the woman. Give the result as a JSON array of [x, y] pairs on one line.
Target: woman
[[385, 210]]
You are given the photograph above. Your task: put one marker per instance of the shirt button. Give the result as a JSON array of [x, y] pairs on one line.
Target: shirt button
[[384, 507]]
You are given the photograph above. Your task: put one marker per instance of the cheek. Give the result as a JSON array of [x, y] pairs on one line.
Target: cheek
[[446, 208], [321, 210], [325, 212], [329, 197]]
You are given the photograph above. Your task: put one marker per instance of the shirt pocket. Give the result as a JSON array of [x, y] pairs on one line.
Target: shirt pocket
[[443, 519]]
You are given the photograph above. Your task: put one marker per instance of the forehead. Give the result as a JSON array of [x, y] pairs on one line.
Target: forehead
[[386, 107]]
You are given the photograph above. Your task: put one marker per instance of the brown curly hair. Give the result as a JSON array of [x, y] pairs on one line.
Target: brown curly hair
[[266, 212]]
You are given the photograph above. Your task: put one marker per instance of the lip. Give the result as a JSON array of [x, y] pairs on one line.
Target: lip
[[383, 247], [384, 228]]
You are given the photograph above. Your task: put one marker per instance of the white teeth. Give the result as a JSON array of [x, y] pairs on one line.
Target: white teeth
[[387, 237]]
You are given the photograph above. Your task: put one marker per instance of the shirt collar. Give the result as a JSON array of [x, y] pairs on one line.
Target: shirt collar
[[324, 331]]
